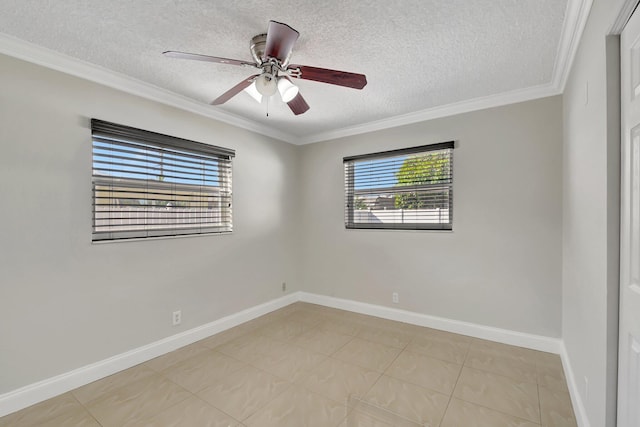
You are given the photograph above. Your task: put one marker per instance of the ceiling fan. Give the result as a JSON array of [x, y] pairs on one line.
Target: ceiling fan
[[271, 53]]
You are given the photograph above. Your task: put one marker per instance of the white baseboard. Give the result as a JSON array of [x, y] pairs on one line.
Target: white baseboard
[[46, 389], [578, 406], [535, 342]]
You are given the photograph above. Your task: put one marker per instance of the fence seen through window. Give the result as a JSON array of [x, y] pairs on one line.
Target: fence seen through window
[[401, 189], [150, 185]]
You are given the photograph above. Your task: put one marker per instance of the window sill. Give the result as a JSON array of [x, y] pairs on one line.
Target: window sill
[[146, 239]]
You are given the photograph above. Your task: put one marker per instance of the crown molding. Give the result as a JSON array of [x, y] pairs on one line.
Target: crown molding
[[490, 101], [575, 19], [626, 9], [48, 58], [576, 15]]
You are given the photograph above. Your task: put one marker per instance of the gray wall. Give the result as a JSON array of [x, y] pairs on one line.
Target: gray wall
[[591, 216], [68, 303], [501, 265], [65, 302]]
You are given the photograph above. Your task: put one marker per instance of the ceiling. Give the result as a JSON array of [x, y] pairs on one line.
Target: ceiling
[[420, 57]]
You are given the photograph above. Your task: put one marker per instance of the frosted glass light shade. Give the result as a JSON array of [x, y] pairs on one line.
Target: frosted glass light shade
[[266, 84], [251, 90], [287, 90]]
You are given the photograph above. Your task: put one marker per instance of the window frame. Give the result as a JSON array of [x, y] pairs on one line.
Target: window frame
[[350, 162], [197, 191]]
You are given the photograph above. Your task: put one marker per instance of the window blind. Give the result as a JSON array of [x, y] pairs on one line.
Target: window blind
[[410, 188], [147, 184]]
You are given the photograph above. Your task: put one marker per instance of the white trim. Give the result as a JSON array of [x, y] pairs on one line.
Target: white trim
[[626, 9], [576, 15], [66, 64], [521, 339], [578, 406], [512, 97], [575, 19], [46, 389]]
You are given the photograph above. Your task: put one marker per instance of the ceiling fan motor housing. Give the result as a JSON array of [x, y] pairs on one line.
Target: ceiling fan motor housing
[[258, 44]]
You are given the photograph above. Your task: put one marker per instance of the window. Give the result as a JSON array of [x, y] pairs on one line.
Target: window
[[410, 189], [146, 184]]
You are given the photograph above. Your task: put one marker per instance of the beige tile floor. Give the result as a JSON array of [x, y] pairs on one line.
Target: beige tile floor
[[307, 365]]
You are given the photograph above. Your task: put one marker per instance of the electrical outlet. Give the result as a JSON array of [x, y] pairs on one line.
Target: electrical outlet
[[394, 297], [177, 317], [284, 287]]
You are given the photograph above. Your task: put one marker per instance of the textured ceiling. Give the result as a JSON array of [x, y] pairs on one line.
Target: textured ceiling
[[417, 54]]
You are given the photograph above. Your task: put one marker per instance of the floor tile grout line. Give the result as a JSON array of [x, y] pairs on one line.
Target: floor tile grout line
[[378, 342], [394, 414], [217, 378], [85, 408], [159, 371], [266, 403], [433, 356], [384, 373], [119, 388], [241, 421], [174, 404], [504, 358], [138, 366], [216, 408], [490, 408], [163, 408], [484, 406], [499, 374], [422, 385], [497, 410], [539, 403], [508, 378], [301, 384], [392, 362], [342, 346], [444, 414]]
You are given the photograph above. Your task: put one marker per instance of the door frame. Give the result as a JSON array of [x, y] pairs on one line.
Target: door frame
[[615, 137]]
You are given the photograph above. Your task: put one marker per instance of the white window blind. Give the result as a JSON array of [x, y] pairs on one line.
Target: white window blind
[[147, 184], [410, 188]]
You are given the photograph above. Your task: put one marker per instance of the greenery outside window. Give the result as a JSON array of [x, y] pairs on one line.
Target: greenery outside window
[[147, 184], [410, 188]]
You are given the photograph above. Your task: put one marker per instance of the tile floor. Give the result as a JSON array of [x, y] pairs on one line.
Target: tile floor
[[307, 365]]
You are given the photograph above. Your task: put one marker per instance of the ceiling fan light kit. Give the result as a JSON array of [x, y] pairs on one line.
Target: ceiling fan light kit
[[287, 90], [266, 84], [253, 92], [271, 53]]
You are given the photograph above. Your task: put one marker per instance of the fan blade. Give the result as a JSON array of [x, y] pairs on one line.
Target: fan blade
[[334, 77], [234, 90], [206, 58], [298, 105], [280, 41]]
